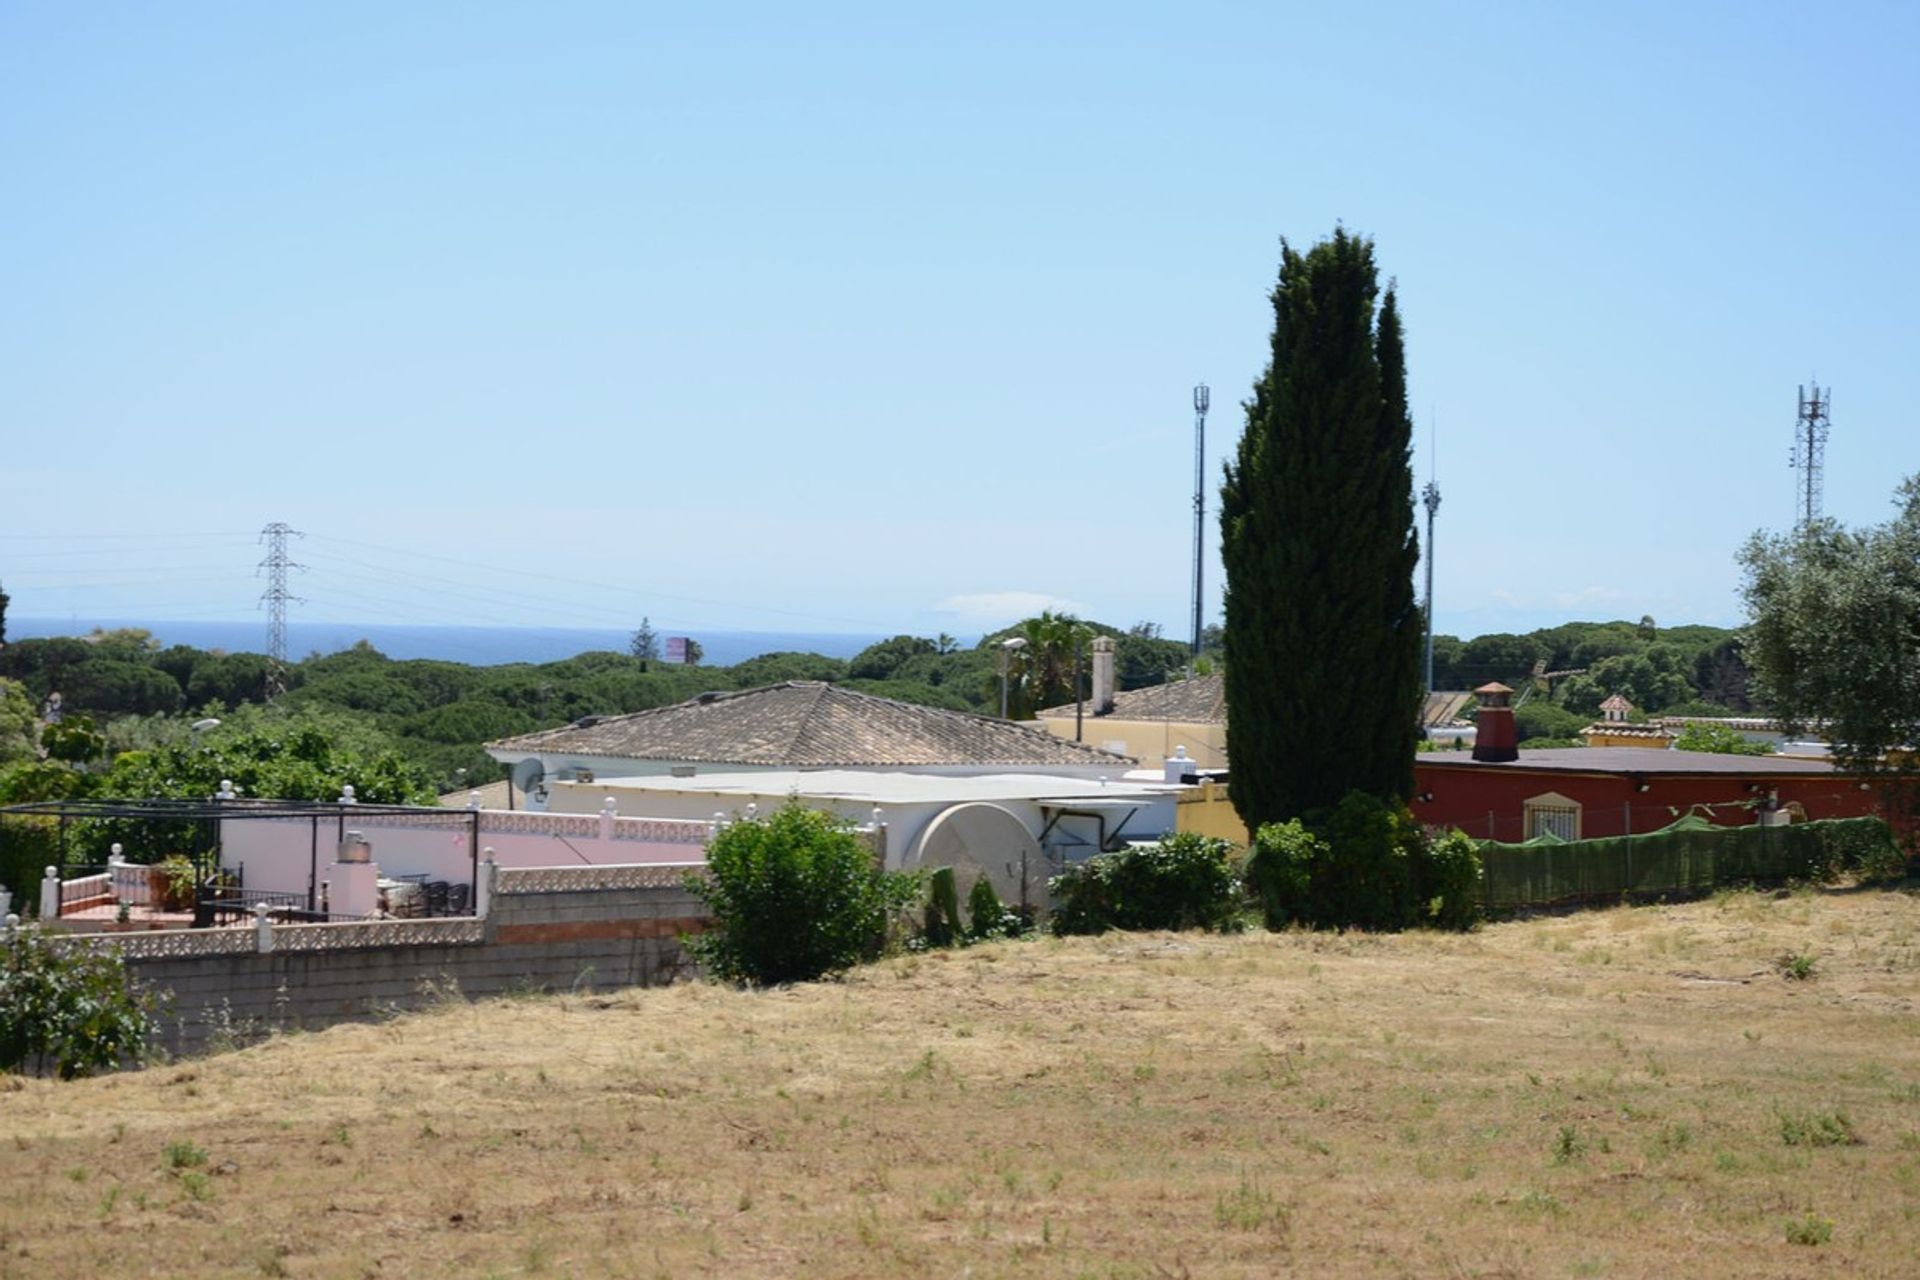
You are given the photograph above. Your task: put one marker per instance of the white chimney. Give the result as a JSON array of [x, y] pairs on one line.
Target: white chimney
[[1179, 765], [1102, 699]]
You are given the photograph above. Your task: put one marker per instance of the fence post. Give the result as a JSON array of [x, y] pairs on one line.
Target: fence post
[[483, 886], [1627, 809], [50, 894], [262, 929]]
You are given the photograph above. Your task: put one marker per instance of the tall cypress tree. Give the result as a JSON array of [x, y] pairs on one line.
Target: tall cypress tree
[[1316, 530]]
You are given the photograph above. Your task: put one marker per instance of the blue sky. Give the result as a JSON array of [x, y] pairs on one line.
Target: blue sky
[[845, 317]]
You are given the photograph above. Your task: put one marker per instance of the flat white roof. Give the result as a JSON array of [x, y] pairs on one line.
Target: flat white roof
[[865, 787]]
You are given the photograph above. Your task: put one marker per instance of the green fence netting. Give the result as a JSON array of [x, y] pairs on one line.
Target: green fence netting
[[1689, 856]]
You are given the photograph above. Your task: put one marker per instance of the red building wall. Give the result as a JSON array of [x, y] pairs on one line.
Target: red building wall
[[1486, 801]]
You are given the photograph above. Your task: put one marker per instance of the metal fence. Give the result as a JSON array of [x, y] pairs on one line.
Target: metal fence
[[1691, 856]]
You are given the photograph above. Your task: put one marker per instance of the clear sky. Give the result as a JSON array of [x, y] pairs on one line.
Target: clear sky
[[876, 317]]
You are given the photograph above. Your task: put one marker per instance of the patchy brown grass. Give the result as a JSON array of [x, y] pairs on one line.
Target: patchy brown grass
[[1630, 1092]]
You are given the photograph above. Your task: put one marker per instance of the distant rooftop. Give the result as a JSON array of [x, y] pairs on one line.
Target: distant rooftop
[[1634, 760], [810, 725], [866, 787], [1198, 700]]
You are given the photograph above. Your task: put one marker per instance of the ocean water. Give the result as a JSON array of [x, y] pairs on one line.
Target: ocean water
[[478, 646]]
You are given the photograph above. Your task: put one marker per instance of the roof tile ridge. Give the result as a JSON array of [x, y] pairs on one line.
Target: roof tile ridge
[[804, 720]]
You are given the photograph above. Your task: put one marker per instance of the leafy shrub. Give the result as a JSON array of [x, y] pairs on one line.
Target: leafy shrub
[[1863, 847], [173, 880], [1364, 865], [1448, 879], [795, 895], [988, 917], [1280, 870], [70, 1010], [1719, 739], [943, 909], [1187, 881]]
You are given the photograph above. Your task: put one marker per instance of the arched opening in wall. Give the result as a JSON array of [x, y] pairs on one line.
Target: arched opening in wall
[[1550, 814]]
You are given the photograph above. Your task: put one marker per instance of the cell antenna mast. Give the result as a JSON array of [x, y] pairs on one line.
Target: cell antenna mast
[[1810, 450], [1201, 398], [274, 600]]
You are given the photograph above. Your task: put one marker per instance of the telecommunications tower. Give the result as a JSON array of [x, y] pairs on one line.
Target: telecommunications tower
[[1810, 450], [1200, 401], [274, 600]]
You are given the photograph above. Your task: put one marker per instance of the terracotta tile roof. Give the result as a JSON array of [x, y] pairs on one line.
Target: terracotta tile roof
[[1200, 700], [1616, 703], [1622, 729], [1648, 760], [805, 724], [492, 796]]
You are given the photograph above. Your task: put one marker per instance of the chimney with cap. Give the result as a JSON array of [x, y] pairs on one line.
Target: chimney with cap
[[1102, 675], [1496, 741]]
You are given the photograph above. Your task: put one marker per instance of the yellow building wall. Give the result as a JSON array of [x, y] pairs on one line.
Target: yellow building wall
[[1599, 737], [1206, 810], [1148, 741]]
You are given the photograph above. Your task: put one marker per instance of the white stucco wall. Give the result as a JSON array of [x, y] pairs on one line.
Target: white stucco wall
[[281, 854]]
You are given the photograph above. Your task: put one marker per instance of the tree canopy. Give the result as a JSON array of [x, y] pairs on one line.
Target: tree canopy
[[1834, 631], [1323, 638]]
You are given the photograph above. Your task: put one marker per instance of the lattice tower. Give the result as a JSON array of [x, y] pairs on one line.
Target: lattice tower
[[1810, 451], [275, 600]]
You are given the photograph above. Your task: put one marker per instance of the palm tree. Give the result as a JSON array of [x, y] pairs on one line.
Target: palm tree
[[1042, 671]]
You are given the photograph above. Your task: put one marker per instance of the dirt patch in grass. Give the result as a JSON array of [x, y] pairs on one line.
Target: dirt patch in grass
[[1618, 1093]]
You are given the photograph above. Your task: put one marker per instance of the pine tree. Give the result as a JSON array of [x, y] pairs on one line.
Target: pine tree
[[1316, 523], [645, 644]]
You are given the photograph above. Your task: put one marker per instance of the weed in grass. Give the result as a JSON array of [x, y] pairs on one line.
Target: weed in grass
[[108, 1201], [118, 1132], [1809, 1229], [196, 1185], [1817, 1129], [1249, 1207], [1796, 966], [1675, 1138], [77, 1174], [1568, 1146], [338, 1136], [184, 1155]]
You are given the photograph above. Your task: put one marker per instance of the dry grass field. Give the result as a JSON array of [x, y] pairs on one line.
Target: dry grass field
[[1626, 1092]]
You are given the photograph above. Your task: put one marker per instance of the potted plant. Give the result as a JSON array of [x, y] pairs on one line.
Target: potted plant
[[171, 882]]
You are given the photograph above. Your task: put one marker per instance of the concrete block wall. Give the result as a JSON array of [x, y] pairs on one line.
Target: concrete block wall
[[542, 941]]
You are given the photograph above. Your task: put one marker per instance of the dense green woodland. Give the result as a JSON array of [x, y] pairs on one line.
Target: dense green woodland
[[434, 716]]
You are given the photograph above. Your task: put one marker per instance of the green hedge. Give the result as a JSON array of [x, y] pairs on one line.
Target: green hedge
[[1690, 856], [1186, 881]]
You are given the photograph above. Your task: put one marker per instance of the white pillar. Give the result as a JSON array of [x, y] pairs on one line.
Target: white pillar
[[355, 888], [262, 929], [50, 894], [483, 891], [473, 799], [607, 810]]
